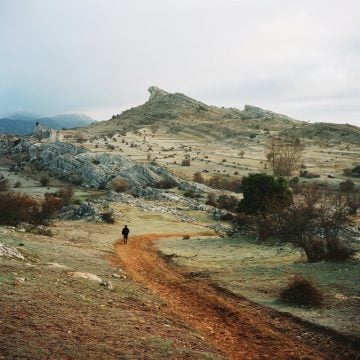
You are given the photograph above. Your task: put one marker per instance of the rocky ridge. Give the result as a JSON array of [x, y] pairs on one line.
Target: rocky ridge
[[176, 110], [78, 165]]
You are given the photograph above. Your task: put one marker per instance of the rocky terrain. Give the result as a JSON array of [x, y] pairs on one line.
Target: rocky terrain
[[73, 290], [178, 113]]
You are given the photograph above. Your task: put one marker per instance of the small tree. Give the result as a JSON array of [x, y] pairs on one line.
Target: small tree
[[283, 155]]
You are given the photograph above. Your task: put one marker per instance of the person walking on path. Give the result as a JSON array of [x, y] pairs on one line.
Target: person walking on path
[[125, 233]]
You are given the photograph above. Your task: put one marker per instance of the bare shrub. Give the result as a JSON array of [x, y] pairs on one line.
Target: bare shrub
[[49, 206], [17, 207], [108, 217], [284, 155], [347, 186], [192, 194], [224, 183], [165, 184], [120, 185], [17, 184], [4, 184], [80, 137], [316, 225], [66, 194], [44, 181], [38, 230], [198, 178], [301, 292], [185, 162], [353, 202]]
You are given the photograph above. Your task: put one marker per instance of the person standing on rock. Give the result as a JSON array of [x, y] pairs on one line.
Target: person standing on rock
[[125, 233]]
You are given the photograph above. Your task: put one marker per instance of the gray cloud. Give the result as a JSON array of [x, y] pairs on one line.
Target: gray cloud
[[99, 56]]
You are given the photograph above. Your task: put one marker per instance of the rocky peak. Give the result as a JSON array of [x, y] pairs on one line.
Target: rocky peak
[[156, 92]]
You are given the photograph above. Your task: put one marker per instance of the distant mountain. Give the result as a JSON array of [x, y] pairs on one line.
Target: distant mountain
[[66, 121], [15, 127], [23, 123]]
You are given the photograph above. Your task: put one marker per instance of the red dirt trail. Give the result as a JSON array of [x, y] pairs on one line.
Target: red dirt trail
[[237, 327]]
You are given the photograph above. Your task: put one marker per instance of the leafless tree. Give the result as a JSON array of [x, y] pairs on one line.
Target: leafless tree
[[284, 155]]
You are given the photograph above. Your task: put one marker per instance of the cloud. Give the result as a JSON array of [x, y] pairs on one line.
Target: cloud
[[99, 56]]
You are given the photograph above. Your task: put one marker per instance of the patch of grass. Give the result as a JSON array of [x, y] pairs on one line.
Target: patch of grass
[[259, 272]]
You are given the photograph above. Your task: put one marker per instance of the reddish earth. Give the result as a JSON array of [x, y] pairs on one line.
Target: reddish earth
[[239, 328]]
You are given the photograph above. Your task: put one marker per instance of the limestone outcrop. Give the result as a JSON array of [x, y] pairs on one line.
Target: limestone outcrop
[[79, 165]]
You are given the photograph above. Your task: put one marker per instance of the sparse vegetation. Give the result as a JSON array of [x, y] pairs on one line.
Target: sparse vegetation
[[185, 162], [44, 181], [4, 184], [16, 208], [317, 224], [66, 194], [120, 185], [347, 186], [301, 292], [108, 217]]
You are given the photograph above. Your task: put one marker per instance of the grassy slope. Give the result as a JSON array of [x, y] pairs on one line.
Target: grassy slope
[[52, 315], [258, 272]]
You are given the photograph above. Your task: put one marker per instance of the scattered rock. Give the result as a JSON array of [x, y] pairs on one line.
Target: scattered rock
[[9, 251], [107, 284], [84, 275]]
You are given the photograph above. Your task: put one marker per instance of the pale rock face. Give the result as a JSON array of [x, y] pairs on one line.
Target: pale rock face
[[77, 164], [42, 132], [156, 92]]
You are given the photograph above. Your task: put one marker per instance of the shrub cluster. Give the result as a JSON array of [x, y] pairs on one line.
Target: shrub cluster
[[165, 184], [16, 208], [220, 182], [222, 201]]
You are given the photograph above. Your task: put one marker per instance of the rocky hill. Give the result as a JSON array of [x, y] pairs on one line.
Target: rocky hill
[[180, 113]]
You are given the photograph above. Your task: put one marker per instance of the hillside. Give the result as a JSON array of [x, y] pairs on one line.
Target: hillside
[[180, 113], [332, 133]]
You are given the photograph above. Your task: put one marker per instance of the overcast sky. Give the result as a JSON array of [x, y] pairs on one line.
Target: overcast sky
[[300, 58]]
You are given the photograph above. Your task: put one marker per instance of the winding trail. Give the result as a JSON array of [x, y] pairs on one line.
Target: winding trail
[[237, 327]]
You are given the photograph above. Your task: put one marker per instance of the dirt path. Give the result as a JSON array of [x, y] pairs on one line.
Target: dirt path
[[237, 327]]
